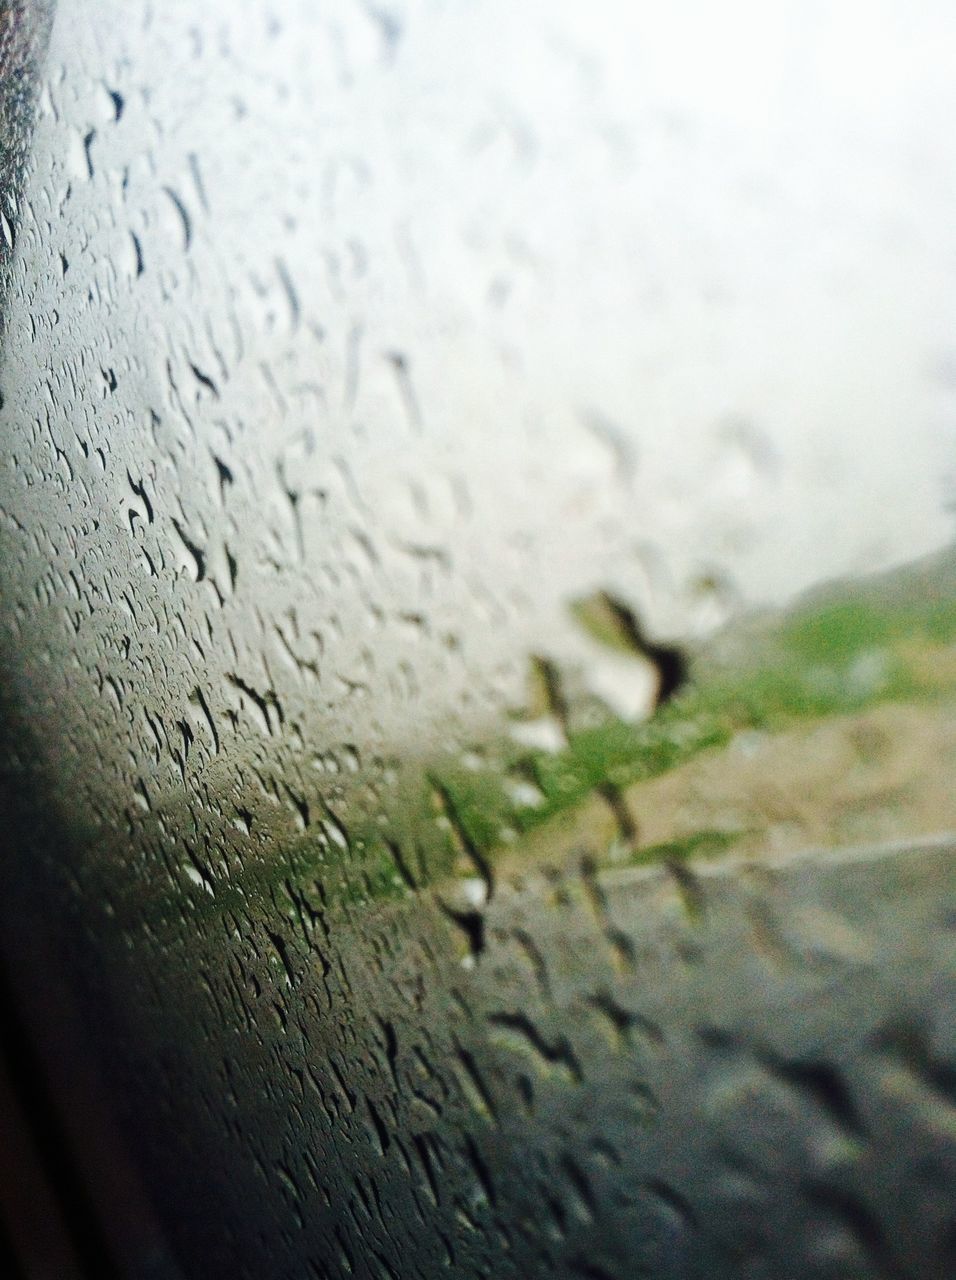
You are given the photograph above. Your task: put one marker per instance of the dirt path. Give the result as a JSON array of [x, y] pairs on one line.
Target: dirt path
[[884, 774]]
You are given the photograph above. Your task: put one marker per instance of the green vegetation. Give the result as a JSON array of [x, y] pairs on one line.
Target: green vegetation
[[886, 641], [821, 660], [702, 844]]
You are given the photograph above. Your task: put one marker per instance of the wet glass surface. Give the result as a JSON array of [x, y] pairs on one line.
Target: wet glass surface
[[479, 626]]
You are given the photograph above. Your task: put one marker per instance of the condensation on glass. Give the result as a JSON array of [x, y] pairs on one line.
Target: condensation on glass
[[479, 602]]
